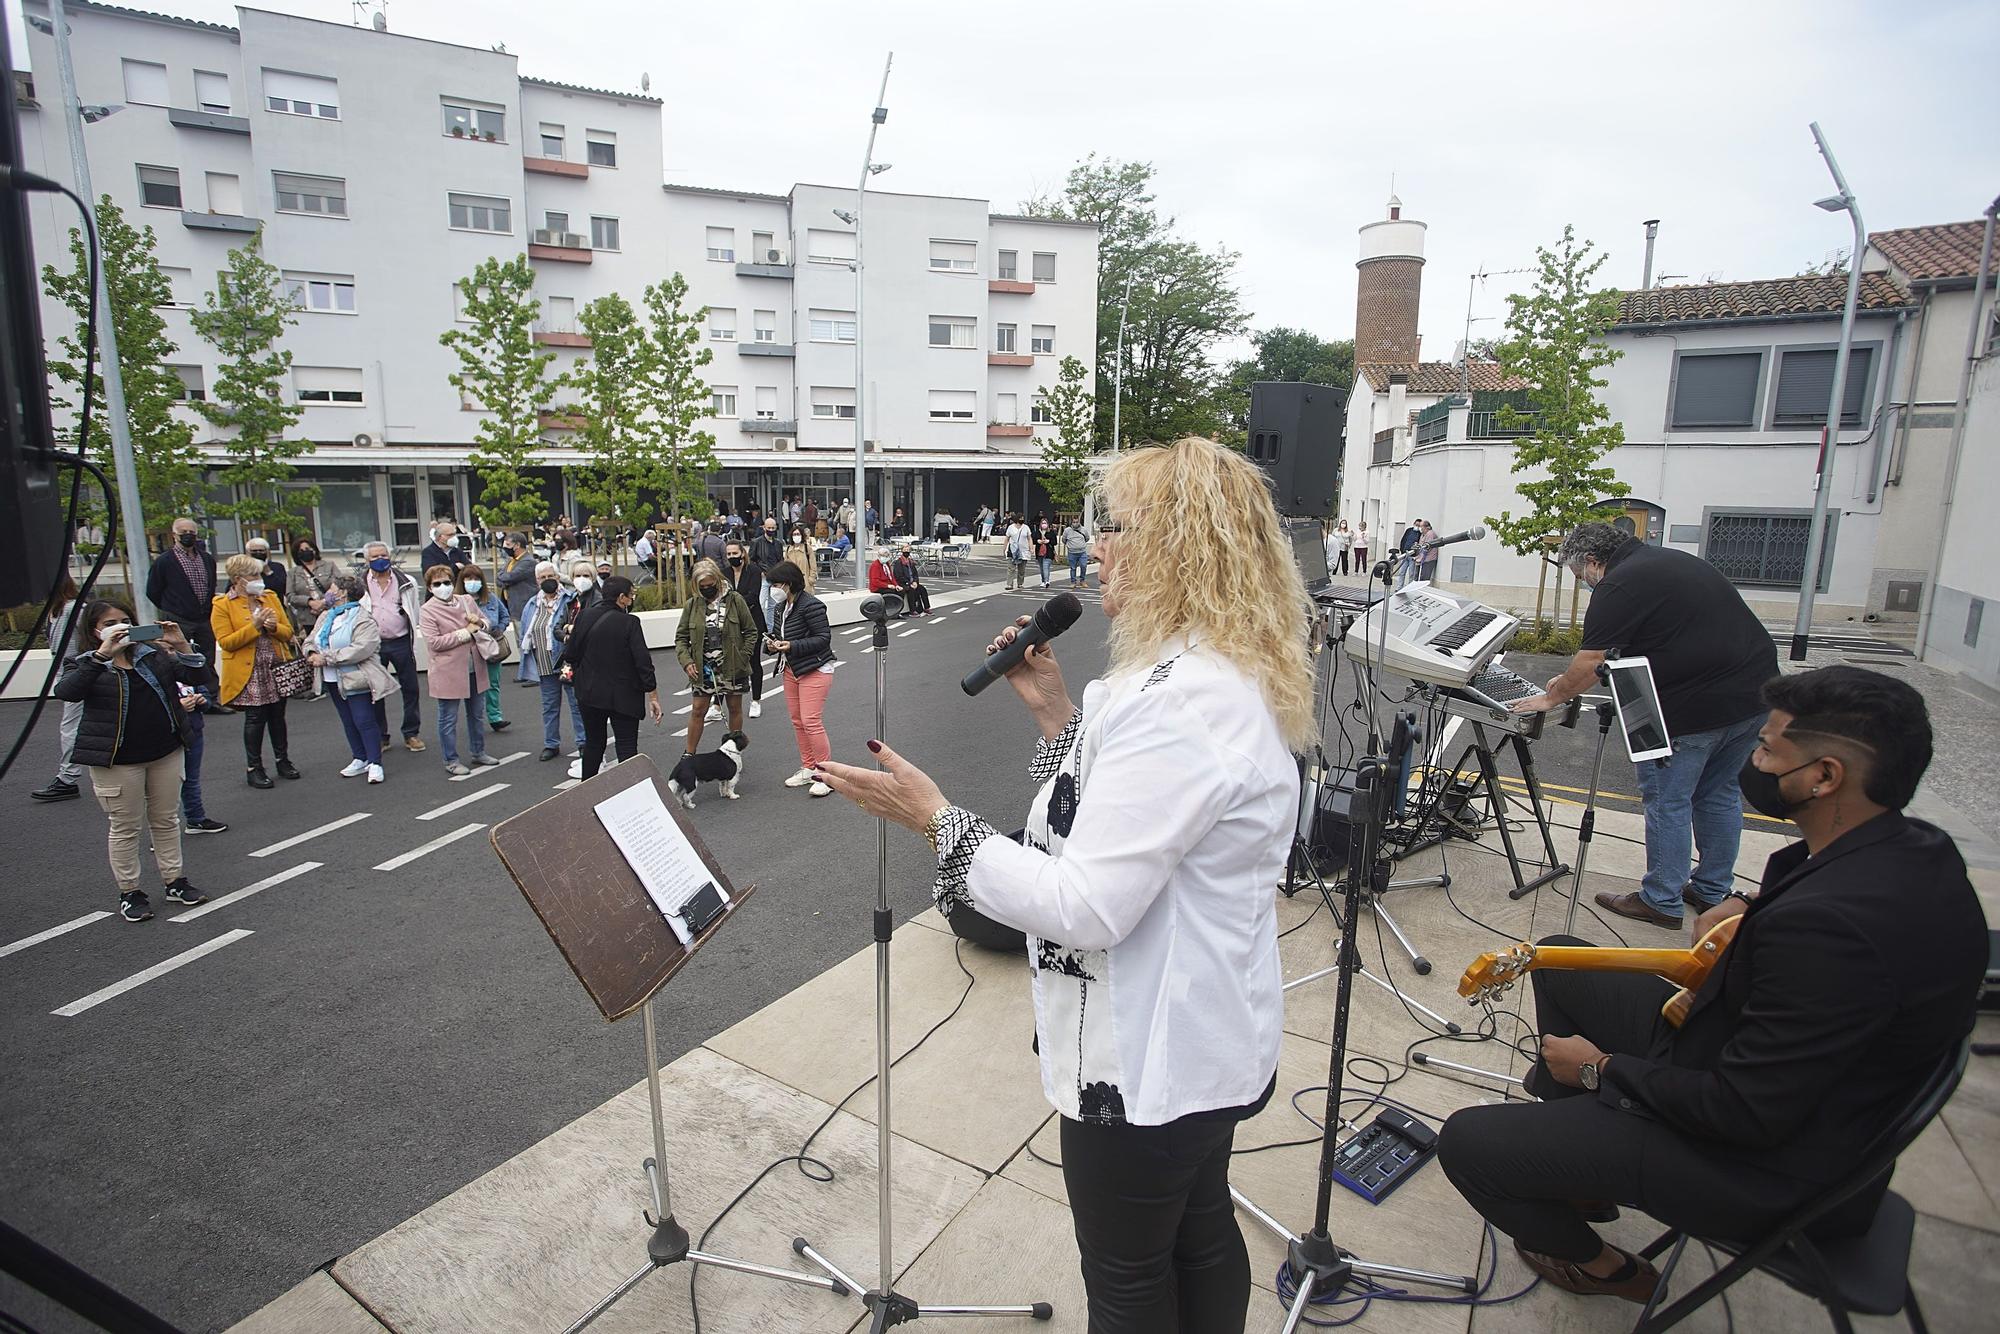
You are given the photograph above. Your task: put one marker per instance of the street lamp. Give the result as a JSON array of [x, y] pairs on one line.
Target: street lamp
[[869, 167], [1842, 202]]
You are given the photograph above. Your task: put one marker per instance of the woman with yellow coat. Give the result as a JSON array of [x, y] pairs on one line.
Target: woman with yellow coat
[[252, 636]]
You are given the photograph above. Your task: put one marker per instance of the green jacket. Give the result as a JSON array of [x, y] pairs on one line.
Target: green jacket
[[739, 635]]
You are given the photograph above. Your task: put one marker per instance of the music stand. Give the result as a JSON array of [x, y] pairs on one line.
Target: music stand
[[622, 950]]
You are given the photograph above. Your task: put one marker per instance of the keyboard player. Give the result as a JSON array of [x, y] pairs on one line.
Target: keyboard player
[[1710, 657]]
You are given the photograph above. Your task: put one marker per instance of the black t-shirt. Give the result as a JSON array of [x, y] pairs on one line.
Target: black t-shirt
[[1710, 654], [148, 732]]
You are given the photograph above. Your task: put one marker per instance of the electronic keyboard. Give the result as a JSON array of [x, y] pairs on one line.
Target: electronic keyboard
[[1433, 635]]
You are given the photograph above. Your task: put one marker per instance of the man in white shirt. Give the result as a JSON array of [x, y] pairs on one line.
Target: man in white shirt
[[1020, 550]]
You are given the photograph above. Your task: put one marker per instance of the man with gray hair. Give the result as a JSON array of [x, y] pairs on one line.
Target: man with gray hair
[[392, 601], [1710, 658]]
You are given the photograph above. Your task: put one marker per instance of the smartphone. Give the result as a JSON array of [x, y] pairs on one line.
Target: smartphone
[[143, 634]]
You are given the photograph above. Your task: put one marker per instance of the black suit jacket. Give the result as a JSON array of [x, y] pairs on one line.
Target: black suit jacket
[[434, 555], [167, 588], [614, 668], [749, 581], [1851, 977]]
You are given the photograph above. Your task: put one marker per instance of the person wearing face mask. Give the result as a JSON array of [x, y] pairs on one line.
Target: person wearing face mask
[[612, 669], [748, 582], [345, 647], [1710, 657], [274, 573], [473, 583], [392, 601], [517, 573], [803, 638], [451, 624], [544, 615], [181, 584], [253, 634], [1851, 978], [130, 740], [716, 643], [444, 548], [799, 551], [584, 594], [306, 586]]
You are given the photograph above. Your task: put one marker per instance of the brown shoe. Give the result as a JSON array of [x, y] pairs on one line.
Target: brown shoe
[[1634, 906], [414, 743], [1638, 1287]]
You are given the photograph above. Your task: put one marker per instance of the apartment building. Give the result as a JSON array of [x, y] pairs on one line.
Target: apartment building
[[383, 168]]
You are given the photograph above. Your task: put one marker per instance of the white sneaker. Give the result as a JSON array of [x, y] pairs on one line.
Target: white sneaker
[[819, 790], [375, 774], [714, 714], [800, 779], [756, 709], [355, 769], [576, 769]]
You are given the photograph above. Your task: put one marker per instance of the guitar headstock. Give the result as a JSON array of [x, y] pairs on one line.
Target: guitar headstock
[[1491, 974]]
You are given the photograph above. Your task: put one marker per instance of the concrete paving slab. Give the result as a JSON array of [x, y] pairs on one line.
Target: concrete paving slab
[[973, 1091], [1009, 1246], [316, 1306], [1935, 1176], [535, 1242]]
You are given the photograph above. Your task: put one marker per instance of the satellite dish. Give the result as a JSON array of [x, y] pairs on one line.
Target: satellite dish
[[645, 83], [381, 21]]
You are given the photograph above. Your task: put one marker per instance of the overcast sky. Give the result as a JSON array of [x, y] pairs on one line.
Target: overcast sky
[[1276, 128]]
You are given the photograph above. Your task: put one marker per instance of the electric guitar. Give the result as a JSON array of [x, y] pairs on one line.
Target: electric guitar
[[1492, 974]]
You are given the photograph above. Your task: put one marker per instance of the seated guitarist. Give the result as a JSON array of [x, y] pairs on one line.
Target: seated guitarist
[[1851, 977]]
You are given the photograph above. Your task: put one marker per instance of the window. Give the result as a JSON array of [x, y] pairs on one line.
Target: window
[[552, 141], [481, 213], [767, 325], [159, 187], [1716, 389], [211, 92], [762, 248], [1006, 338], [559, 314], [604, 233], [555, 222], [336, 386], [722, 244], [225, 193], [192, 389], [823, 247], [1010, 262], [310, 194], [954, 256], [180, 287], [1042, 340], [767, 403], [831, 326], [1038, 411], [327, 293], [602, 146], [458, 314], [954, 331], [1007, 409], [1805, 382], [722, 401], [952, 405], [145, 83], [1764, 547], [722, 324], [301, 95], [474, 120], [1045, 267], [830, 401]]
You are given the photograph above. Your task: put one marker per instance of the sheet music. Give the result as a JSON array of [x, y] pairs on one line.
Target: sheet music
[[658, 852]]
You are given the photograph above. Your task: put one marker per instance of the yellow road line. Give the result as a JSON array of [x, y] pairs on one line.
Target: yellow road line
[[1515, 783]]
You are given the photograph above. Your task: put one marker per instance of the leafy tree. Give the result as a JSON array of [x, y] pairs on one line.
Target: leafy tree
[[677, 397], [503, 370], [1287, 354], [1184, 303], [1555, 342], [163, 452], [1065, 470], [243, 318], [612, 387]]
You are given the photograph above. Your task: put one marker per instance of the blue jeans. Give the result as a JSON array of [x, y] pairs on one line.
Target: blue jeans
[[1692, 802], [475, 726], [191, 771], [399, 657], [1048, 564], [361, 719], [553, 694], [1077, 561]]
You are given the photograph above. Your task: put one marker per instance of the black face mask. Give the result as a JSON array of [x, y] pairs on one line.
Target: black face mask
[[186, 539], [736, 561], [1760, 789], [550, 586], [308, 554], [711, 593]]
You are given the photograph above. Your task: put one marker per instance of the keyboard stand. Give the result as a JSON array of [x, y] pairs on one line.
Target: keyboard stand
[[1498, 803]]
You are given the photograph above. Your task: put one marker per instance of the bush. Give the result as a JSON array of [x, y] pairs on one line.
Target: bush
[[1543, 637], [652, 597]]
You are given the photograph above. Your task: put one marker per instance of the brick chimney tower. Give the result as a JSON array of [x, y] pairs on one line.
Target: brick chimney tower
[[1387, 288]]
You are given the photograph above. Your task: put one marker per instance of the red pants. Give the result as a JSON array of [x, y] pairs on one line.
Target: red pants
[[805, 697]]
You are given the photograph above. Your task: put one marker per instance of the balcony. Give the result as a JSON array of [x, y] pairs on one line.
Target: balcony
[[554, 166], [561, 338], [768, 264], [998, 430], [765, 349], [1009, 359], [562, 421], [209, 120], [1012, 285], [219, 222], [567, 247], [767, 426], [1485, 425]]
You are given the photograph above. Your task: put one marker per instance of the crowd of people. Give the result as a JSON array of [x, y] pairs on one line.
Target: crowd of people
[[1415, 554]]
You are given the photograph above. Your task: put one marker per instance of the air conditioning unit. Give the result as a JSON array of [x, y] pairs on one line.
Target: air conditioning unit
[[774, 257], [574, 241], [363, 440], [783, 444], [543, 236]]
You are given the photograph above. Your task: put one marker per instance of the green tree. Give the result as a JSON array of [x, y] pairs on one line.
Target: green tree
[[1184, 303], [612, 388], [1065, 470], [1555, 342], [505, 372], [244, 318], [163, 452], [1287, 354], [676, 397]]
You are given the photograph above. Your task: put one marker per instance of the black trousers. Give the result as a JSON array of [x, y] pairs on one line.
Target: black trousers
[[257, 719], [1524, 1165], [916, 599], [757, 666], [202, 635], [596, 724], [1343, 556], [1156, 1228]]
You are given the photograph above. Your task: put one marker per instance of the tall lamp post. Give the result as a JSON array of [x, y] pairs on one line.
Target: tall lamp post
[[869, 167], [1117, 394], [1843, 202]]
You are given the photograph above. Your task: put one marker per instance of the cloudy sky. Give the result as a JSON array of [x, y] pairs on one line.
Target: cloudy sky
[[1276, 128]]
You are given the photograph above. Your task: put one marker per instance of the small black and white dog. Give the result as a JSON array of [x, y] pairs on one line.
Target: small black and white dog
[[723, 766]]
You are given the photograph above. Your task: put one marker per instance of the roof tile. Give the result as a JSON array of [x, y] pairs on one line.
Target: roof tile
[[1439, 377], [1809, 294], [1926, 254]]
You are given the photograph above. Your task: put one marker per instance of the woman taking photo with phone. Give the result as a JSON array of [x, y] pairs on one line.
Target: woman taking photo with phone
[[252, 636], [803, 640], [130, 740]]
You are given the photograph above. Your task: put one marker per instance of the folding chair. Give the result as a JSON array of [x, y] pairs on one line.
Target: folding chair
[[1868, 1273]]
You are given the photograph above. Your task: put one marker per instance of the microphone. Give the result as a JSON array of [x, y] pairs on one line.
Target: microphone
[[1472, 534], [1058, 614]]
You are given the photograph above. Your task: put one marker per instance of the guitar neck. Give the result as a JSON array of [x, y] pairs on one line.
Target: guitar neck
[[1682, 967]]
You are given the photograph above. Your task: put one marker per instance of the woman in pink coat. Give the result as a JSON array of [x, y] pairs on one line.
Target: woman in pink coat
[[448, 622]]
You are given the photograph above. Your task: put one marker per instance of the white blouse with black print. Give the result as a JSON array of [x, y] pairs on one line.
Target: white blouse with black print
[[1146, 885]]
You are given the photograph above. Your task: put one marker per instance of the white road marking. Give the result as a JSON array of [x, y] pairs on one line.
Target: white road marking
[[956, 610], [465, 800], [424, 849], [25, 941], [310, 834], [139, 979], [567, 784], [683, 694], [245, 892], [481, 769], [682, 732], [982, 602], [689, 708], [905, 634]]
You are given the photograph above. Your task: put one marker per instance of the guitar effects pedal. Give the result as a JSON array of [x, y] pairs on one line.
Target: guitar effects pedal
[[1384, 1155]]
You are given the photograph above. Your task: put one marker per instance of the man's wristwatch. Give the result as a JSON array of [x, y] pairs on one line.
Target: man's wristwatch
[[1586, 1075]]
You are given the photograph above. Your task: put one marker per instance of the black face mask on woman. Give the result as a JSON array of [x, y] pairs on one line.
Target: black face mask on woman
[[550, 586], [1761, 790]]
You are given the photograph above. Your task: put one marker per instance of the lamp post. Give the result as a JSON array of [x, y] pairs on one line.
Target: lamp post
[[116, 421], [869, 167], [1843, 202]]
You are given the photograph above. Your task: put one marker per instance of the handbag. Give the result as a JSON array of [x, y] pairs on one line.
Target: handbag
[[294, 676], [490, 649]]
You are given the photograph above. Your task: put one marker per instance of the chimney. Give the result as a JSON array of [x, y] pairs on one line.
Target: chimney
[[1399, 408], [1387, 288]]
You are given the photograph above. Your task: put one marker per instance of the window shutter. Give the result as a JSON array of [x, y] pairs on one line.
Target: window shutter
[[1805, 379], [1716, 390]]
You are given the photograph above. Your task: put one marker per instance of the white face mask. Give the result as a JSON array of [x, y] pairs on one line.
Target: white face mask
[[780, 593], [582, 583], [255, 588], [441, 591], [473, 585], [104, 632]]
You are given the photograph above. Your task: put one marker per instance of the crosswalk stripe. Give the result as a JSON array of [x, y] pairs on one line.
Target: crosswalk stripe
[[245, 892], [465, 800], [504, 759], [139, 979], [905, 634], [25, 941], [311, 834], [424, 849], [567, 784]]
